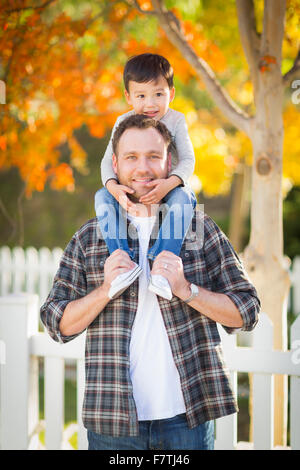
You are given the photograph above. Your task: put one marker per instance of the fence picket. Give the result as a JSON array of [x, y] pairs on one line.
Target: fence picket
[[263, 391], [295, 387], [44, 280], [54, 401], [18, 269], [295, 278], [31, 270], [5, 274], [82, 436]]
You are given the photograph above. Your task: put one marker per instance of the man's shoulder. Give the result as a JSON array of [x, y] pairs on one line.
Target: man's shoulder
[[205, 226], [88, 232]]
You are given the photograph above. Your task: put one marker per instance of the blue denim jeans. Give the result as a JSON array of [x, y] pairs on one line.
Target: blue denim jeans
[[162, 434], [179, 209]]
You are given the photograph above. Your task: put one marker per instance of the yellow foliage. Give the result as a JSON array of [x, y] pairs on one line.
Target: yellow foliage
[[291, 144]]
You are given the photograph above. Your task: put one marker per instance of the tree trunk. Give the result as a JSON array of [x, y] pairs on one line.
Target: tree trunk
[[264, 259], [239, 207]]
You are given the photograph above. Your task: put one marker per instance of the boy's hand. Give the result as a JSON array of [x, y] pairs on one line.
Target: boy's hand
[[161, 187], [119, 192]]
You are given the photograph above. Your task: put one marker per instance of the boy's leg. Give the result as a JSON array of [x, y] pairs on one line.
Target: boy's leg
[[112, 224], [113, 227], [180, 205]]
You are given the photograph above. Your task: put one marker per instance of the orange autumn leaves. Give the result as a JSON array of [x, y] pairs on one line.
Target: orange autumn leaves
[[62, 72]]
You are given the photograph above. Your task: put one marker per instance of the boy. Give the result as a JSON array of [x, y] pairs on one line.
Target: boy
[[149, 89]]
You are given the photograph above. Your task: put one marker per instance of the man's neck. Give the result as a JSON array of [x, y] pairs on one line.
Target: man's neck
[[142, 210]]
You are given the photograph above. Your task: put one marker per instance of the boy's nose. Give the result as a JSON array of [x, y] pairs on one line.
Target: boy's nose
[[149, 102]]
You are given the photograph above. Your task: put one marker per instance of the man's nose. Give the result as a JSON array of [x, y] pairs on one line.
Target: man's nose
[[143, 165]]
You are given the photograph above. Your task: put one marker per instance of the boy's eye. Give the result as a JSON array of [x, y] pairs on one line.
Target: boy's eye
[[140, 96]]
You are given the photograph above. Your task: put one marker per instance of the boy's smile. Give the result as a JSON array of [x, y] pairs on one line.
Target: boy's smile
[[150, 98]]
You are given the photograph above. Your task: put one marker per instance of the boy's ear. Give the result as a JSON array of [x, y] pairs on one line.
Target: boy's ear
[[172, 94], [127, 96]]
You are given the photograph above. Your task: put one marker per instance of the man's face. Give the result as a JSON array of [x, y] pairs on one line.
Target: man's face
[[150, 98], [142, 157]]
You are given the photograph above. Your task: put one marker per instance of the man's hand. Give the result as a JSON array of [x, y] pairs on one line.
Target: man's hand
[[170, 266], [117, 263], [79, 313]]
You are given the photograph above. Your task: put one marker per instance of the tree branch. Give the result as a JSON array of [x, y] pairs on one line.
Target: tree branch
[[250, 39], [43, 5], [171, 26], [11, 221], [273, 29], [293, 72]]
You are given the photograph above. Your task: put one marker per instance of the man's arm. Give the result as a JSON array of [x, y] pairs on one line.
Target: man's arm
[[70, 307], [232, 300], [217, 307], [79, 314]]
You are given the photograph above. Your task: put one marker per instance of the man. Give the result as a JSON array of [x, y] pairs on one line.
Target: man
[[155, 376]]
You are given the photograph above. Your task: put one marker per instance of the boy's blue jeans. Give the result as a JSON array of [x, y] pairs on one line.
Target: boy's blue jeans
[[179, 209], [162, 434]]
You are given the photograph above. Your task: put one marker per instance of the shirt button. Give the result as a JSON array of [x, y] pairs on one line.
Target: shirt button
[[132, 294], [101, 263], [186, 255]]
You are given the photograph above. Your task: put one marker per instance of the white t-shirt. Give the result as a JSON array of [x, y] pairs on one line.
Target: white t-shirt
[[155, 378]]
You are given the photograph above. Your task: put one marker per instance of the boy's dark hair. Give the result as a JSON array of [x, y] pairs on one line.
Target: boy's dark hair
[[140, 121], [144, 68]]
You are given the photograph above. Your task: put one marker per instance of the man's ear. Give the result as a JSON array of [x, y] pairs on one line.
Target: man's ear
[[114, 163], [169, 162]]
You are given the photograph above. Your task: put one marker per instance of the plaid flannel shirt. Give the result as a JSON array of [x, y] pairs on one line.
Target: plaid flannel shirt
[[209, 261]]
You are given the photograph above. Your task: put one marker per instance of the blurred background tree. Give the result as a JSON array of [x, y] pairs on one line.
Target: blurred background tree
[[62, 63]]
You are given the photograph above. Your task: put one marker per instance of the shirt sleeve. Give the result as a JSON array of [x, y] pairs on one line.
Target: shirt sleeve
[[185, 152], [229, 277], [69, 284]]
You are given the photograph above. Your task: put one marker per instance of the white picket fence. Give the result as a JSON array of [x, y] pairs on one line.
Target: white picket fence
[[22, 345], [28, 270], [32, 271]]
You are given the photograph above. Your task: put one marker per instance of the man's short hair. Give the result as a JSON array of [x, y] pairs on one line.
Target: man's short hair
[[144, 68], [140, 121]]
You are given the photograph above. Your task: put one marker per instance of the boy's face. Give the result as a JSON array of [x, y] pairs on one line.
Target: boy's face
[[150, 98]]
